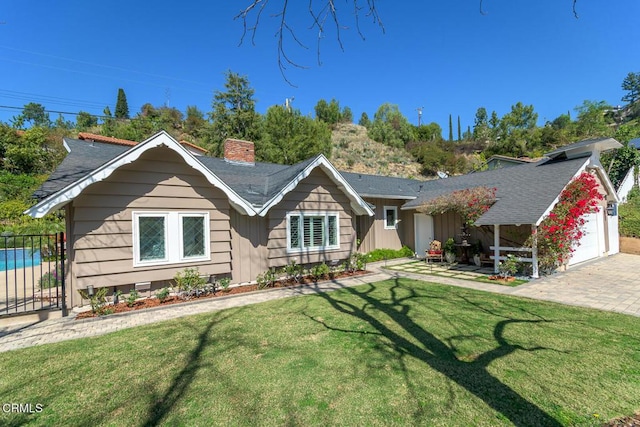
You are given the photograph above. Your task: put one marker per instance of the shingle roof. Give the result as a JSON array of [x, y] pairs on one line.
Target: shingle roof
[[83, 158], [383, 186], [257, 183], [524, 192]]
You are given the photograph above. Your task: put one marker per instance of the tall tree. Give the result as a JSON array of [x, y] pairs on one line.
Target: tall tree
[[85, 120], [233, 114], [364, 120], [631, 84], [592, 120], [289, 137], [346, 115], [450, 129], [33, 114], [390, 127], [459, 130], [481, 125], [328, 112], [122, 108], [195, 123]]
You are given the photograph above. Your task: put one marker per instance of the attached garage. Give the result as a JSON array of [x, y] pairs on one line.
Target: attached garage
[[593, 241]]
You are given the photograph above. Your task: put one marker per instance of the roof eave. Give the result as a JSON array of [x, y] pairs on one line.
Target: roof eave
[[71, 191], [358, 204]]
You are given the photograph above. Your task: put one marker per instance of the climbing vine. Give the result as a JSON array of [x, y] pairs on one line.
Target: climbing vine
[[560, 232], [470, 203]]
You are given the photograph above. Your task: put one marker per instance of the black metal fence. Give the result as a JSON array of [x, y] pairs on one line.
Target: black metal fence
[[32, 274]]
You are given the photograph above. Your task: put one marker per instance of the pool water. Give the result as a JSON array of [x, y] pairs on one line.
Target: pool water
[[18, 258]]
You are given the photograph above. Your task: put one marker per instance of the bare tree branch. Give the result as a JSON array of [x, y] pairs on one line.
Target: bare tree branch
[[321, 12]]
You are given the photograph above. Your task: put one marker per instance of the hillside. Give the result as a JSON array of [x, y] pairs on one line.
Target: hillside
[[354, 151]]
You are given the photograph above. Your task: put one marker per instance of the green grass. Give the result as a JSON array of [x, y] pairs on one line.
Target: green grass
[[513, 283], [392, 353]]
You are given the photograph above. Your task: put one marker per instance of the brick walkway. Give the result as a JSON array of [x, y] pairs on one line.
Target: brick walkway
[[607, 284]]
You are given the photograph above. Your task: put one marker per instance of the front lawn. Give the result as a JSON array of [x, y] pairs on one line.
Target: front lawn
[[398, 352]]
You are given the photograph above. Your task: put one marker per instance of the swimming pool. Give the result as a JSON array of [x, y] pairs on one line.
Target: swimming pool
[[13, 258]]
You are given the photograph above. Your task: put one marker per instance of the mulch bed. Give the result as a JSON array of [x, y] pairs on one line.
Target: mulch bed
[[141, 304]]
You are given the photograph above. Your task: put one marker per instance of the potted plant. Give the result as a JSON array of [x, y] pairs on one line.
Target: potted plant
[[477, 250], [449, 248]]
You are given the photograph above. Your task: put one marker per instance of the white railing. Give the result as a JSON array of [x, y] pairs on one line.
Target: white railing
[[510, 249]]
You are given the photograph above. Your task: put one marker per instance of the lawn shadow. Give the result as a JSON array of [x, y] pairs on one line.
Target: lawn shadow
[[162, 405], [440, 356]]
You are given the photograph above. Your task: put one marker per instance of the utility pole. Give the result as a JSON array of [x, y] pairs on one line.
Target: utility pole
[[287, 103], [419, 115]]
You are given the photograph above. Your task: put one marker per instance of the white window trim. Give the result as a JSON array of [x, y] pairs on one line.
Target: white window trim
[[395, 216], [173, 237], [302, 215]]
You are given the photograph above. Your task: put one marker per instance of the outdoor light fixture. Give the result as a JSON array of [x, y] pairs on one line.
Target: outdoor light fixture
[[612, 209], [90, 290]]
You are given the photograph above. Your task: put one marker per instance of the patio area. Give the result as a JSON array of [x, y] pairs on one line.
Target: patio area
[[455, 270]]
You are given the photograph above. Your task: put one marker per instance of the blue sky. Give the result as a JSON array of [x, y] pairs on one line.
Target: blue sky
[[444, 56]]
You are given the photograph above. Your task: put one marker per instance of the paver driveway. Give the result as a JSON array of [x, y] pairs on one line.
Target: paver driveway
[[611, 283]]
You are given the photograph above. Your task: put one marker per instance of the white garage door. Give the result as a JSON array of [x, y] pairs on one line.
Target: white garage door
[[592, 241]]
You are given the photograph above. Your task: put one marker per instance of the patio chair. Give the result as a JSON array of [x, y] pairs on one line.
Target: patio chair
[[434, 252]]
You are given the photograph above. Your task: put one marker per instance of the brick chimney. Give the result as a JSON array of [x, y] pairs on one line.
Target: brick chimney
[[237, 150]]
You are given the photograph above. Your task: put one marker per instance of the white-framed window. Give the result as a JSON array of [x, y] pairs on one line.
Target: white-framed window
[[170, 237], [390, 217], [313, 231]]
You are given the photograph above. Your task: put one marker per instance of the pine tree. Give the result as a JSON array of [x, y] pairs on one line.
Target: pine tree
[[122, 108], [450, 129], [459, 134]]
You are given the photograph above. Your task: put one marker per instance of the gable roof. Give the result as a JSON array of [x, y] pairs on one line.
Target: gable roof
[[252, 189], [579, 148], [60, 196], [524, 192]]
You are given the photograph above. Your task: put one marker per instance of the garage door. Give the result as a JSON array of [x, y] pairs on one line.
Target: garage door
[[592, 240]]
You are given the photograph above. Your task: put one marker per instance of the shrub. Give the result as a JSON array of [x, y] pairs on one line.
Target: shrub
[[509, 266], [162, 294], [266, 279], [629, 214], [132, 297], [224, 282], [320, 271], [97, 300], [189, 280], [49, 280], [384, 254], [356, 262], [293, 271]]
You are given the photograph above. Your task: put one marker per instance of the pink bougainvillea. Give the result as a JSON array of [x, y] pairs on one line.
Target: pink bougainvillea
[[561, 230], [470, 203]]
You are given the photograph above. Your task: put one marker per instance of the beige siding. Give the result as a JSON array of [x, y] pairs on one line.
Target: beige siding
[[249, 247], [449, 224], [375, 236], [102, 240], [316, 193]]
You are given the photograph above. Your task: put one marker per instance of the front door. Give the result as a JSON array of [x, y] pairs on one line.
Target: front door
[[423, 228]]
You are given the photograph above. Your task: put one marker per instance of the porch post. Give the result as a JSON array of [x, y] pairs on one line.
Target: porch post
[[534, 252], [496, 248]]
